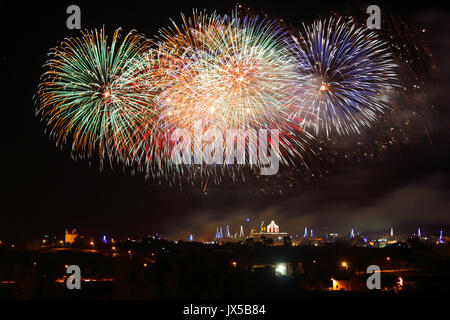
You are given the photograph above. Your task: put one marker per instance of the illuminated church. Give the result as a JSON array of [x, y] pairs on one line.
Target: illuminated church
[[70, 237], [270, 231]]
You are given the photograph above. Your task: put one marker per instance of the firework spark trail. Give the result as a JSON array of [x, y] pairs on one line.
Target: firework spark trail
[[92, 92], [235, 75], [122, 101], [228, 73], [349, 75]]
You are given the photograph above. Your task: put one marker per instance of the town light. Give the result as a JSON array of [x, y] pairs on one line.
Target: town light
[[335, 284], [280, 269]]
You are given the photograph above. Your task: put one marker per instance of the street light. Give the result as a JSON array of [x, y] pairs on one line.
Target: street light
[[400, 281], [281, 269]]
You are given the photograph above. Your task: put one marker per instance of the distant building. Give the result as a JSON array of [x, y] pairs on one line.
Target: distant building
[[273, 228], [351, 284], [280, 269], [70, 237], [271, 231]]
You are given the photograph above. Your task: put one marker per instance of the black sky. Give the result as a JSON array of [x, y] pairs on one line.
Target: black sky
[[45, 191]]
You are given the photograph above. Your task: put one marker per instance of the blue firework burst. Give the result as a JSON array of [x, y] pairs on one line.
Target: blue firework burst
[[350, 76]]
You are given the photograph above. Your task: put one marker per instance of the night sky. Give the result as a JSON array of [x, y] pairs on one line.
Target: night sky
[[44, 191]]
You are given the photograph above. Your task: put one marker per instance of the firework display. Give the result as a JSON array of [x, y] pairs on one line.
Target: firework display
[[349, 75], [121, 101], [231, 72], [224, 72], [93, 92]]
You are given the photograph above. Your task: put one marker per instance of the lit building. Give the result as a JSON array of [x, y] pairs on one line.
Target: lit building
[[280, 269], [271, 231], [70, 237], [273, 228], [352, 284]]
